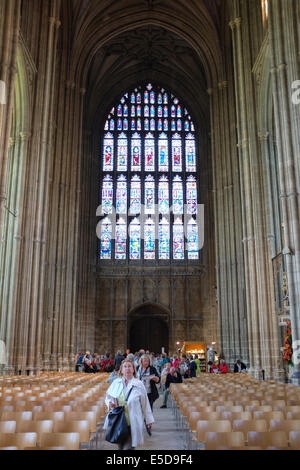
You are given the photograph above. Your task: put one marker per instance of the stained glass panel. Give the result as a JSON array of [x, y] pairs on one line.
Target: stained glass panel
[[132, 111], [125, 110], [108, 152], [176, 153], [146, 111], [132, 98], [107, 195], [105, 241], [135, 196], [178, 240], [177, 196], [121, 239], [121, 197], [164, 239], [149, 195], [120, 110], [163, 195], [152, 97], [190, 152], [163, 153], [192, 240], [122, 153], [149, 239], [112, 125], [135, 239], [191, 195], [159, 99], [136, 153], [149, 153]]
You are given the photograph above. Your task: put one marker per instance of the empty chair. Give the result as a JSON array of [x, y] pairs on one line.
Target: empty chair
[[35, 426], [216, 439], [4, 408], [9, 448], [258, 408], [49, 416], [82, 427], [267, 439], [204, 426], [16, 416], [236, 408], [19, 440], [293, 415], [249, 425], [84, 415], [294, 438], [293, 408], [268, 415], [69, 440], [286, 425], [8, 426]]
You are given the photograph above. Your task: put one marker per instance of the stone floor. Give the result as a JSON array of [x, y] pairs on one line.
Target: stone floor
[[165, 436]]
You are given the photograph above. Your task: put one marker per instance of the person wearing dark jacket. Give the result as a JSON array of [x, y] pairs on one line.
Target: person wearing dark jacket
[[173, 377], [149, 376], [193, 368], [118, 359], [239, 366]]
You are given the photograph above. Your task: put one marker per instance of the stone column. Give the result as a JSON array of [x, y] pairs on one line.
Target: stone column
[[9, 36], [284, 17], [262, 327]]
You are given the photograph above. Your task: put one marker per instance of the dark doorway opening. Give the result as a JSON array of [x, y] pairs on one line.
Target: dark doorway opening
[[149, 330]]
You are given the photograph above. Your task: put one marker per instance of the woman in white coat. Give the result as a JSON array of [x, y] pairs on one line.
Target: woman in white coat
[[137, 409]]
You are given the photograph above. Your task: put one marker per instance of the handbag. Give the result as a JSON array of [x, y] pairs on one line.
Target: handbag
[[117, 428]]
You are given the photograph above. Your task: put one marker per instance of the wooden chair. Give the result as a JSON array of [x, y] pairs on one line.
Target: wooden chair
[[294, 438], [267, 439], [69, 440], [268, 415], [38, 427], [249, 425], [258, 408], [84, 415], [19, 440], [9, 448], [49, 416], [209, 415], [233, 408], [293, 408], [286, 425], [216, 439], [293, 415], [8, 426], [234, 415], [204, 426], [82, 427], [16, 416]]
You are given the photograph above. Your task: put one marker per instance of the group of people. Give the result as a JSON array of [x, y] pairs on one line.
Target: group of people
[[139, 376]]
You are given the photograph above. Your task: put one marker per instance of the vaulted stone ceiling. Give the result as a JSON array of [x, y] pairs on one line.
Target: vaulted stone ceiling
[[117, 44]]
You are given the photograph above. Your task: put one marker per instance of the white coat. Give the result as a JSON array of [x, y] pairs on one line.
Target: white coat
[[138, 408]]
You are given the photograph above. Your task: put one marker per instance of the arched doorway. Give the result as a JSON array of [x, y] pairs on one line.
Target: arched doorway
[[148, 329]]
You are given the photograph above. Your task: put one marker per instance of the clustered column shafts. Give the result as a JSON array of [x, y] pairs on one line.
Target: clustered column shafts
[[284, 45], [262, 327]]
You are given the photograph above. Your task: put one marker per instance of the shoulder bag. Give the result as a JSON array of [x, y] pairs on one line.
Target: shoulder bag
[[117, 427]]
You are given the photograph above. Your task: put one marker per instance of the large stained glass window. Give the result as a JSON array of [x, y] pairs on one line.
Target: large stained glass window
[[149, 187]]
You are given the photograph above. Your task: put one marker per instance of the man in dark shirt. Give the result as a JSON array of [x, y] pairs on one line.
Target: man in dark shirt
[[173, 377]]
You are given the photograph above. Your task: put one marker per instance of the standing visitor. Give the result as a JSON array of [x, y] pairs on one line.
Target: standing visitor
[[148, 374], [193, 367], [137, 408], [172, 377]]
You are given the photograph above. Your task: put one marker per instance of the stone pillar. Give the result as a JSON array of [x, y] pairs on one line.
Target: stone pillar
[[284, 17], [262, 327], [230, 281], [9, 36]]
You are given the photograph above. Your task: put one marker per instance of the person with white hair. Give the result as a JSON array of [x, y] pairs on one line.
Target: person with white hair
[[137, 407]]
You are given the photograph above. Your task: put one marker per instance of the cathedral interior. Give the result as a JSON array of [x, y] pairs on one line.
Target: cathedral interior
[[96, 96]]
